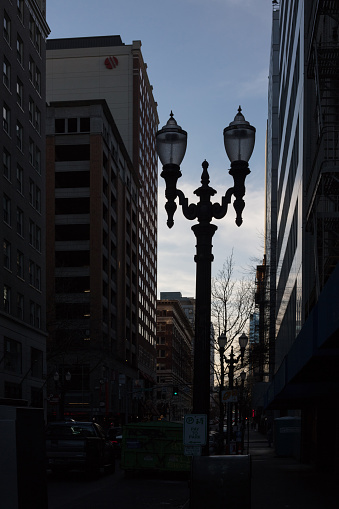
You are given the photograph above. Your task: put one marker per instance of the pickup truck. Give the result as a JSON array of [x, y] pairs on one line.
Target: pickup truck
[[78, 446]]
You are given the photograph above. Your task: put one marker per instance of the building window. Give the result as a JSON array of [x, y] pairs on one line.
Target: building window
[[20, 306], [19, 93], [37, 80], [19, 222], [38, 40], [6, 158], [7, 254], [38, 199], [72, 125], [31, 232], [85, 125], [19, 135], [6, 73], [20, 9], [38, 238], [31, 192], [6, 119], [7, 209], [7, 299], [38, 278], [31, 110], [20, 50], [19, 179], [36, 362], [38, 160], [31, 27], [7, 28], [12, 355], [37, 120], [20, 264], [31, 272], [59, 125], [31, 69], [31, 151]]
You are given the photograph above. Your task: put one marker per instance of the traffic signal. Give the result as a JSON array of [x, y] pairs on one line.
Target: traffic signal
[[175, 390]]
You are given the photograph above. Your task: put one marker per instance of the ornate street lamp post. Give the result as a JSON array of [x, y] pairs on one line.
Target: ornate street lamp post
[[62, 388], [171, 141], [241, 413], [222, 340], [231, 361]]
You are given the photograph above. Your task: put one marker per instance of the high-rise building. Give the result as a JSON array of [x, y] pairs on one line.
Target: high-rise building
[[92, 192], [22, 232], [303, 221], [103, 69], [174, 359], [272, 162], [187, 303]]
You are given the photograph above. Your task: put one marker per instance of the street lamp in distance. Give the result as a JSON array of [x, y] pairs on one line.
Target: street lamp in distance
[[61, 386], [232, 361], [222, 341]]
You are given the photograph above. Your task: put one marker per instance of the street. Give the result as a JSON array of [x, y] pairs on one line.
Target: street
[[278, 482], [75, 491]]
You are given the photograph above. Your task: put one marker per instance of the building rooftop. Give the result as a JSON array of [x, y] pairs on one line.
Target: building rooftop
[[85, 42]]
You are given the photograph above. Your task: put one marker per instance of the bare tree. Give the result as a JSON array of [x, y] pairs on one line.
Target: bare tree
[[232, 302]]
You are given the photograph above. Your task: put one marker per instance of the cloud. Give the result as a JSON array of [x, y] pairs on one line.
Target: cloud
[[176, 249], [176, 246]]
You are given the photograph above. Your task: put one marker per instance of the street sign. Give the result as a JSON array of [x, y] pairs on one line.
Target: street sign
[[230, 396], [195, 429], [192, 450]]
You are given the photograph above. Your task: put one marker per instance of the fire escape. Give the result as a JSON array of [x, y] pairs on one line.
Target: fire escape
[[322, 185]]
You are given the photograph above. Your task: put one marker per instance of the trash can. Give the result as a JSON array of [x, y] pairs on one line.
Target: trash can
[[287, 436], [220, 481]]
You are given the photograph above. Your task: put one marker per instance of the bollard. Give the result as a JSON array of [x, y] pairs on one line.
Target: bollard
[[220, 481]]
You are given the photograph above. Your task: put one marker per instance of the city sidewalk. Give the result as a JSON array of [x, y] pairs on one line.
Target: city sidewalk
[[282, 483]]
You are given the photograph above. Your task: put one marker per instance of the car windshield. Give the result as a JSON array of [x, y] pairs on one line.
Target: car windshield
[[71, 430]]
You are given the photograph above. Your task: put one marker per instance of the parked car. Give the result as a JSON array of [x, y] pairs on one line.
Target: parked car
[[78, 446], [114, 435]]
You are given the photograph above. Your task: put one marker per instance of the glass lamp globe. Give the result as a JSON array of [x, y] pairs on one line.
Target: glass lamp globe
[[239, 138], [222, 340], [171, 143], [243, 340]]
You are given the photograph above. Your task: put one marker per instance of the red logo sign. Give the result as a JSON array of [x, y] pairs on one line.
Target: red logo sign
[[111, 62]]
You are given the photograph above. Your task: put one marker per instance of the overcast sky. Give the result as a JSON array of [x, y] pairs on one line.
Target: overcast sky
[[205, 58]]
